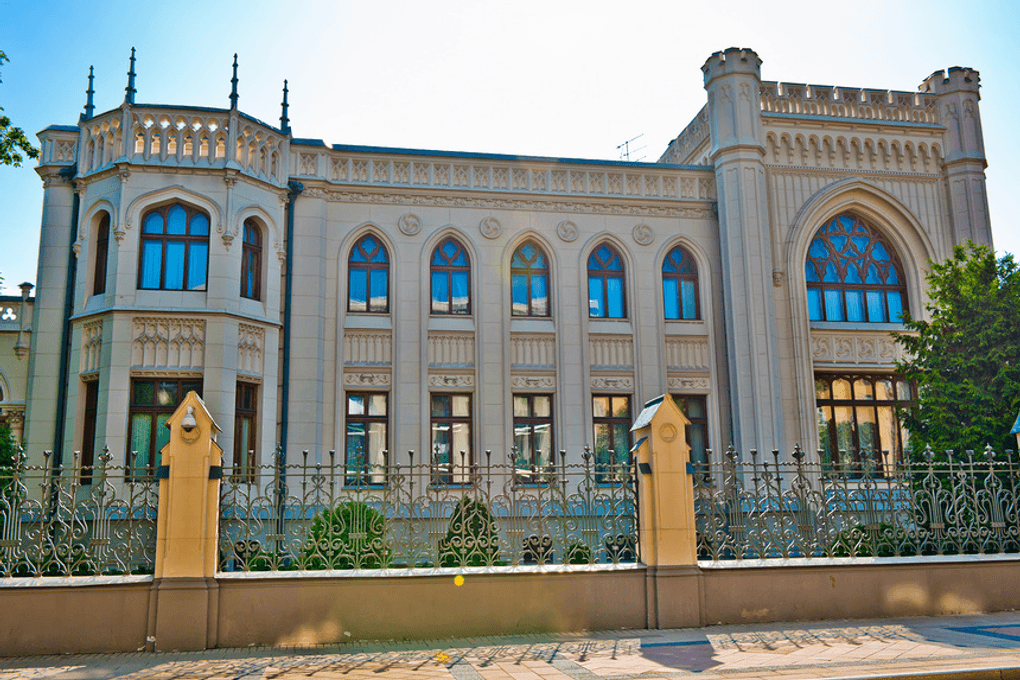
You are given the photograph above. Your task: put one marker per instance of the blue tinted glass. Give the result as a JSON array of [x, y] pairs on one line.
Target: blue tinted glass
[[460, 292], [833, 306], [200, 225], [358, 290], [614, 297], [380, 291], [854, 305], [173, 279], [873, 275], [852, 275], [528, 251], [861, 243], [876, 310], [614, 263], [198, 258], [895, 305], [892, 278], [596, 303], [689, 299], [668, 267], [818, 250], [879, 253], [440, 293], [152, 259], [248, 285], [438, 257], [539, 296], [153, 224], [671, 298], [176, 221], [357, 256], [379, 255], [839, 241], [814, 298], [539, 262], [519, 294], [831, 275], [810, 271]]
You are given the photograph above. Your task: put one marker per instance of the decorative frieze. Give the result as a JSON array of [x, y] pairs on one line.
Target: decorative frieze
[[683, 383], [854, 348], [91, 345], [860, 152], [367, 348], [163, 342], [612, 382], [532, 351], [687, 354], [250, 344], [451, 380], [611, 352], [451, 350], [533, 382]]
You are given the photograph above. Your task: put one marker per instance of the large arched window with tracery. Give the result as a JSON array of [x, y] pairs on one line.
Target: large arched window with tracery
[[175, 249], [451, 274], [368, 276], [853, 274], [680, 285], [529, 281]]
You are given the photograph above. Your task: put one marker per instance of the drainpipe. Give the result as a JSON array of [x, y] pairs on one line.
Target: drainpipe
[[295, 190], [65, 333]]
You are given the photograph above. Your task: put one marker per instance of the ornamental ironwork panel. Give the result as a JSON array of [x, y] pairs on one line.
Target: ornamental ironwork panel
[[866, 504], [76, 520], [414, 513]]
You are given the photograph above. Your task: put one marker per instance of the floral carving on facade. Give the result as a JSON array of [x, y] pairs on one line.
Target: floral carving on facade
[[490, 228], [567, 231], [409, 224], [643, 234]]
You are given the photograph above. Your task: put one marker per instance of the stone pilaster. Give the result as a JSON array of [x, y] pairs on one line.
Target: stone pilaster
[[733, 81]]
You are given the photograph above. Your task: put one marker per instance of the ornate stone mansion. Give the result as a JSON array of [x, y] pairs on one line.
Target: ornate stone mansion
[[372, 301]]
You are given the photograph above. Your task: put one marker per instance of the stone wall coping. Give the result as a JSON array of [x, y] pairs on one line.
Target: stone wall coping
[[781, 563], [73, 581], [433, 572]]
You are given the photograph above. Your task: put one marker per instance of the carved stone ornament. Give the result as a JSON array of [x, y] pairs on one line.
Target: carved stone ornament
[[533, 382], [490, 228], [688, 383], [777, 278], [612, 383], [409, 224], [567, 231], [667, 431], [643, 234], [367, 379], [436, 380]]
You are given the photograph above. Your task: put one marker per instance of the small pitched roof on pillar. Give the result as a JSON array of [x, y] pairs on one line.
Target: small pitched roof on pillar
[[233, 85], [129, 91], [193, 408], [652, 407]]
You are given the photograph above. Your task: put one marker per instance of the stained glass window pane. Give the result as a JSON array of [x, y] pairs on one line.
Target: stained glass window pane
[[380, 291], [876, 310], [440, 293], [833, 305], [596, 302], [153, 224], [152, 261], [690, 299], [141, 431], [895, 305], [614, 295], [355, 405], [198, 257], [460, 292], [176, 221], [814, 304], [358, 290], [519, 294], [174, 275], [854, 305], [200, 226], [670, 297], [162, 437], [539, 296]]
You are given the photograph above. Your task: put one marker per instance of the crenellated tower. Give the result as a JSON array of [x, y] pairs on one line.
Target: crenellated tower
[[957, 93]]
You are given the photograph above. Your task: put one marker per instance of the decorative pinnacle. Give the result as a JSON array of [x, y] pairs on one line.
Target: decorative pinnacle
[[129, 91], [284, 120], [233, 85], [89, 106]]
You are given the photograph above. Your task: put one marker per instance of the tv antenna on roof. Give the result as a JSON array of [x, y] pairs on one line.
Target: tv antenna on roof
[[626, 151]]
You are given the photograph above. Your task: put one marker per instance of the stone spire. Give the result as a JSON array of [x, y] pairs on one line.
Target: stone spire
[[233, 85], [284, 120], [89, 106], [129, 91]]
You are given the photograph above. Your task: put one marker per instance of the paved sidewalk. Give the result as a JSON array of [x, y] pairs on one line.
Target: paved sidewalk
[[971, 647]]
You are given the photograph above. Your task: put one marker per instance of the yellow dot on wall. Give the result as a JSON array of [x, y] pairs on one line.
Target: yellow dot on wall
[[458, 580]]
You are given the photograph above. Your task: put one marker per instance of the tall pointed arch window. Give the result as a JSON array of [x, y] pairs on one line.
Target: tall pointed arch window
[[102, 254], [680, 285], [175, 249], [853, 274], [451, 274], [368, 276], [529, 281], [605, 284], [251, 261]]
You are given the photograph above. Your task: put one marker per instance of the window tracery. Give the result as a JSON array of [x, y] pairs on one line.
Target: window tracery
[[680, 285], [368, 274], [451, 273]]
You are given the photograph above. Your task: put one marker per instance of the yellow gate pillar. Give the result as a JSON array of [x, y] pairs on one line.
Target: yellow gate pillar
[[184, 613], [667, 531]]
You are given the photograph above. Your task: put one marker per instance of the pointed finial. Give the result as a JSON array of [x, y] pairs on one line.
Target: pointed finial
[[129, 91], [89, 106], [284, 120], [233, 85]]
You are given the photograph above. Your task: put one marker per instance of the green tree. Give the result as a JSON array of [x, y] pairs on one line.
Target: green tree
[[13, 141], [965, 361]]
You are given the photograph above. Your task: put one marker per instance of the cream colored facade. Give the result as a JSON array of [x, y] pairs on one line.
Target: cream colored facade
[[744, 189]]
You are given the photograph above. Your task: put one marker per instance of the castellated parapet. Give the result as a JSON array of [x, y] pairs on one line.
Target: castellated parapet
[[732, 60], [955, 79]]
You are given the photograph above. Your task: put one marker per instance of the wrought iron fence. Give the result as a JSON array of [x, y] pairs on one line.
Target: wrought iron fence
[[73, 521], [931, 504], [415, 513]]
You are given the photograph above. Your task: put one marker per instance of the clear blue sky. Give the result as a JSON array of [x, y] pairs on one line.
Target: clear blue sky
[[544, 77]]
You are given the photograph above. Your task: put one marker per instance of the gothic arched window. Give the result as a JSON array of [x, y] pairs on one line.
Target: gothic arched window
[[680, 285], [605, 283], [451, 274], [175, 249], [529, 281], [251, 261], [853, 274], [102, 254], [368, 274]]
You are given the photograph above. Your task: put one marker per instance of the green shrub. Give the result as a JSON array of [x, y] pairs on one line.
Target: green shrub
[[471, 539], [349, 536], [579, 553]]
